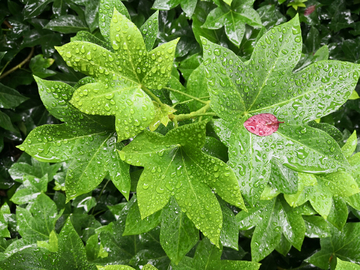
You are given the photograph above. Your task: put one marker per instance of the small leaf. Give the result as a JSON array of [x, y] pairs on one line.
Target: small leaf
[[10, 98], [263, 124]]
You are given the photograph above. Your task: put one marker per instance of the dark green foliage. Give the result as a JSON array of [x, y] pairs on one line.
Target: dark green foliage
[[130, 115]]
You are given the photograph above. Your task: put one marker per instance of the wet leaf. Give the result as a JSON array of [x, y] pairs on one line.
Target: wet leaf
[[175, 166], [135, 225], [233, 18], [87, 142], [66, 24], [343, 244], [272, 219], [121, 76], [178, 234], [187, 6], [263, 124], [36, 222], [268, 85], [207, 256]]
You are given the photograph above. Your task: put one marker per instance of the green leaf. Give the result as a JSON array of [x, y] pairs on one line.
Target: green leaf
[[116, 267], [29, 258], [150, 30], [36, 222], [122, 76], [259, 86], [9, 97], [5, 122], [86, 141], [175, 166], [38, 65], [178, 234], [292, 98], [66, 24], [349, 147], [343, 265], [234, 18], [30, 189], [136, 225], [52, 245], [4, 217], [106, 10], [229, 236], [207, 257], [188, 6], [343, 244], [272, 220], [338, 213], [316, 227], [71, 253]]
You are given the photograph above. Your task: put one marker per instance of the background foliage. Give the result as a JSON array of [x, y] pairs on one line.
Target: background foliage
[[97, 219]]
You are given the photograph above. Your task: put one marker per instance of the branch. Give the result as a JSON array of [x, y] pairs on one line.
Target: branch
[[19, 65]]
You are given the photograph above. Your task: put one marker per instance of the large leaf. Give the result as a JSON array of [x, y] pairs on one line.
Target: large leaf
[[267, 84], [175, 166], [122, 76], [87, 142]]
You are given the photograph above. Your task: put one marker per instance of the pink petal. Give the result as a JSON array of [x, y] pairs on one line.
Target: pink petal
[[263, 124]]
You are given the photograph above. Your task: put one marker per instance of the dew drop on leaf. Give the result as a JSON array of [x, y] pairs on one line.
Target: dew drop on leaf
[[263, 124]]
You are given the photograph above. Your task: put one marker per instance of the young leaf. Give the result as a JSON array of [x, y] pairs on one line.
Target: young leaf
[[187, 6], [207, 256], [343, 244], [233, 17], [122, 76], [4, 215], [175, 166], [37, 221], [272, 219]]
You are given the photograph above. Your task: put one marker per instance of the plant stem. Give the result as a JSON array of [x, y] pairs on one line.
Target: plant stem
[[19, 65], [200, 112], [151, 94], [185, 94], [98, 198]]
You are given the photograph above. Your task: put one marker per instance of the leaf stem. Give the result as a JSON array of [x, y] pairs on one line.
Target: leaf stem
[[151, 94], [19, 65], [200, 112], [98, 198], [185, 94]]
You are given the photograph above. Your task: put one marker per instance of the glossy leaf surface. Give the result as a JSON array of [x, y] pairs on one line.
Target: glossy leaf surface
[[86, 141], [254, 87], [234, 17], [207, 256], [175, 166], [120, 76], [343, 244], [272, 219]]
